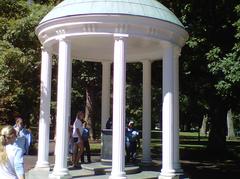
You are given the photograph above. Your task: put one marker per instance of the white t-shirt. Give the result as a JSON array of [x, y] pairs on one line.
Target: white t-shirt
[[77, 125], [14, 154]]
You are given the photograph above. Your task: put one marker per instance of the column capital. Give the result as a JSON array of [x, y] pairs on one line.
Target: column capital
[[177, 51], [63, 38], [146, 61], [45, 49], [118, 36], [167, 44], [106, 62], [61, 35]]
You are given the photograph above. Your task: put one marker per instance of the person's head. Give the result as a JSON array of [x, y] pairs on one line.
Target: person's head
[[19, 121], [80, 115], [131, 124], [7, 136]]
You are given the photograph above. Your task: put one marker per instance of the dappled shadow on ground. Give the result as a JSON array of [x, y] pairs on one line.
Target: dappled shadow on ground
[[211, 169], [198, 163]]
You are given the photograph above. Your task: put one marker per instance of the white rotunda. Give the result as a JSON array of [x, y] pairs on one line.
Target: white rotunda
[[111, 31]]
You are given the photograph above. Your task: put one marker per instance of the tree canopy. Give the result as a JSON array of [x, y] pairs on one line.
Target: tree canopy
[[209, 67]]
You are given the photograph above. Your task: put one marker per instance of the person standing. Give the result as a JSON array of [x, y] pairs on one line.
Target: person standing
[[132, 142], [24, 136], [86, 144], [11, 156], [109, 123], [77, 138]]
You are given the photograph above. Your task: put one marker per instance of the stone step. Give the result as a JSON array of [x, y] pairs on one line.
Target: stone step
[[140, 175], [99, 169], [93, 170], [87, 174]]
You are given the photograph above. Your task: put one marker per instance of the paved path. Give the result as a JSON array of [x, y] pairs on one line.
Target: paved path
[[194, 166], [30, 162]]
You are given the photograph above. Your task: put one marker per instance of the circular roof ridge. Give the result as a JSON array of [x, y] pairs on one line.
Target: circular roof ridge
[[145, 8]]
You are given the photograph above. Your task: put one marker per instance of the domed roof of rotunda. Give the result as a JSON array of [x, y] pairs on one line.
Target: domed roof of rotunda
[[145, 8], [92, 25]]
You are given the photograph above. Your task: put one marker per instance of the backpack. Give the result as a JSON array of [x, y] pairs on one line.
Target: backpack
[[85, 134]]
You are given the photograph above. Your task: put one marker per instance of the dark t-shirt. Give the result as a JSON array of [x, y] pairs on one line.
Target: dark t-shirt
[[109, 124], [85, 134]]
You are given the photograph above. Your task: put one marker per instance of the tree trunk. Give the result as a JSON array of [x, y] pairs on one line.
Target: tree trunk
[[90, 110], [203, 129], [217, 136], [230, 125]]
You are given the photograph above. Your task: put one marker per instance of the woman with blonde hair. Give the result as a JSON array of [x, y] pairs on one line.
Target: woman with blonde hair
[[11, 156]]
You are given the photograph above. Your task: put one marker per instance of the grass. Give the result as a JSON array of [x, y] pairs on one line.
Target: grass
[[197, 163], [189, 141], [194, 158]]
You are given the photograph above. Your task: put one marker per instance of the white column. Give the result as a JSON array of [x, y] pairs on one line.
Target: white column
[[69, 92], [119, 85], [106, 79], [60, 169], [170, 146], [44, 119], [176, 162], [146, 126]]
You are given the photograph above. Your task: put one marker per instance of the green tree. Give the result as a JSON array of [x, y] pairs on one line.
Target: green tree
[[19, 59], [209, 24], [226, 68]]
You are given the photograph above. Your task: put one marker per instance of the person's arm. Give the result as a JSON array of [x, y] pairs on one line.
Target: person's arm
[[138, 140], [18, 164], [139, 143], [79, 134]]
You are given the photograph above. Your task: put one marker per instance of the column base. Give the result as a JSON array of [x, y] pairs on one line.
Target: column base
[[53, 176], [60, 174], [147, 161], [172, 176], [42, 166], [118, 176]]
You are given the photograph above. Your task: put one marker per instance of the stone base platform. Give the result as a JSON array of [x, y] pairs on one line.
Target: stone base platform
[[94, 171], [99, 169]]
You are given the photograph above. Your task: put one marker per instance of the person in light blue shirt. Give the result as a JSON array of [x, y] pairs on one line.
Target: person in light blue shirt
[[24, 136], [11, 156], [132, 142]]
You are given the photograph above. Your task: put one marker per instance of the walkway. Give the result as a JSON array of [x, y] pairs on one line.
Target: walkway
[[90, 170], [195, 163]]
